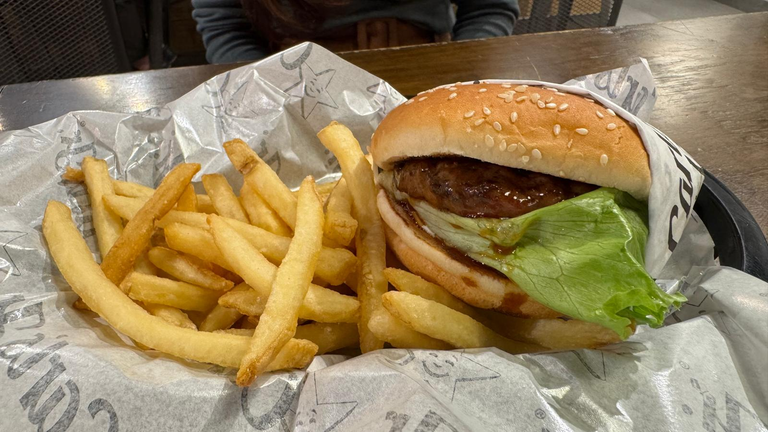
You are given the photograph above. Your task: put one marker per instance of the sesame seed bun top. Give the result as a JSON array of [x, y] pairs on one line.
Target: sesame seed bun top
[[518, 126]]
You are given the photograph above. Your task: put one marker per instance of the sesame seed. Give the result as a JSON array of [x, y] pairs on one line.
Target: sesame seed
[[562, 107], [549, 99], [503, 145], [486, 111], [599, 114], [483, 90], [469, 114], [422, 98], [521, 88], [569, 144], [536, 154], [550, 89], [561, 173], [506, 85], [604, 160], [409, 101], [451, 96], [541, 104], [489, 141], [611, 126], [610, 111], [513, 116], [526, 159], [497, 126], [556, 129], [589, 100], [452, 88], [535, 97], [551, 105], [478, 122], [512, 147], [582, 131], [522, 147], [521, 98]]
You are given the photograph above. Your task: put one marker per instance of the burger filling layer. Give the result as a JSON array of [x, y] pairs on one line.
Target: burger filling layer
[[571, 246]]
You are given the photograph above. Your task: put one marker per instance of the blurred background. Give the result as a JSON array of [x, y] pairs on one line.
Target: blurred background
[[55, 39]]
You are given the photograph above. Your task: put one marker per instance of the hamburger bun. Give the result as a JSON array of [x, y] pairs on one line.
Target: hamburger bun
[[570, 136]]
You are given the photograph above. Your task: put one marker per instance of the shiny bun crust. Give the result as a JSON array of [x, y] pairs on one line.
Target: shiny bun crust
[[527, 127]]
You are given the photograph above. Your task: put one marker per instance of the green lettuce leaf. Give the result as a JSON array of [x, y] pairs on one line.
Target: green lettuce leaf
[[582, 257]]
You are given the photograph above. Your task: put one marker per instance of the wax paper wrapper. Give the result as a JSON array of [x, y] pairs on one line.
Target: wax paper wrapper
[[69, 370]]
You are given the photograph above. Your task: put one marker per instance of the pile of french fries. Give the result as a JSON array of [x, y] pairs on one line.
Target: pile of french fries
[[265, 279]]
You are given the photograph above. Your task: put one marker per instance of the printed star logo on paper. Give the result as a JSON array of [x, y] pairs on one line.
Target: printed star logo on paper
[[7, 265], [312, 89], [324, 416], [446, 370]]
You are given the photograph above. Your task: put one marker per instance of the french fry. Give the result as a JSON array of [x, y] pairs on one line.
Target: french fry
[[340, 226], [411, 283], [551, 333], [223, 198], [185, 270], [73, 174], [290, 285], [262, 179], [187, 200], [135, 237], [370, 241], [261, 214], [236, 331], [334, 264], [73, 258], [443, 323], [295, 354], [328, 337], [143, 265], [107, 224], [130, 189], [79, 304], [125, 207], [204, 204], [157, 290], [399, 335], [120, 187], [220, 318], [194, 241], [320, 304], [171, 315]]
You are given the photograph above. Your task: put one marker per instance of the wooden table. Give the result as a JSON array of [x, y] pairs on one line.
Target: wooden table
[[711, 76]]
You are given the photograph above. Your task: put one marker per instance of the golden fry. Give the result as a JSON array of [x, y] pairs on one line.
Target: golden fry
[[443, 323], [107, 224], [328, 337], [171, 315], [185, 270], [157, 290], [130, 189], [290, 285], [73, 175], [187, 200], [221, 317], [205, 205], [370, 241], [411, 283], [223, 198], [399, 335], [261, 178], [135, 237], [261, 214], [340, 226], [194, 241]]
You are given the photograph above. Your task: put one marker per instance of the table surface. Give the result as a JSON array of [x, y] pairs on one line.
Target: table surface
[[710, 72]]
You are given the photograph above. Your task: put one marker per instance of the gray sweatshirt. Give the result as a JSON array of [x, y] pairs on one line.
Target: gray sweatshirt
[[229, 37]]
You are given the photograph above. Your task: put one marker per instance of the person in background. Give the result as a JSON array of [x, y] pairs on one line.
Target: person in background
[[244, 30]]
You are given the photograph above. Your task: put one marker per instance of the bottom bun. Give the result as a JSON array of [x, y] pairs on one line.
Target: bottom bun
[[478, 285]]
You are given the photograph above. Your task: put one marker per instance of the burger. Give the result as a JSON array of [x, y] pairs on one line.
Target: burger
[[525, 200]]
